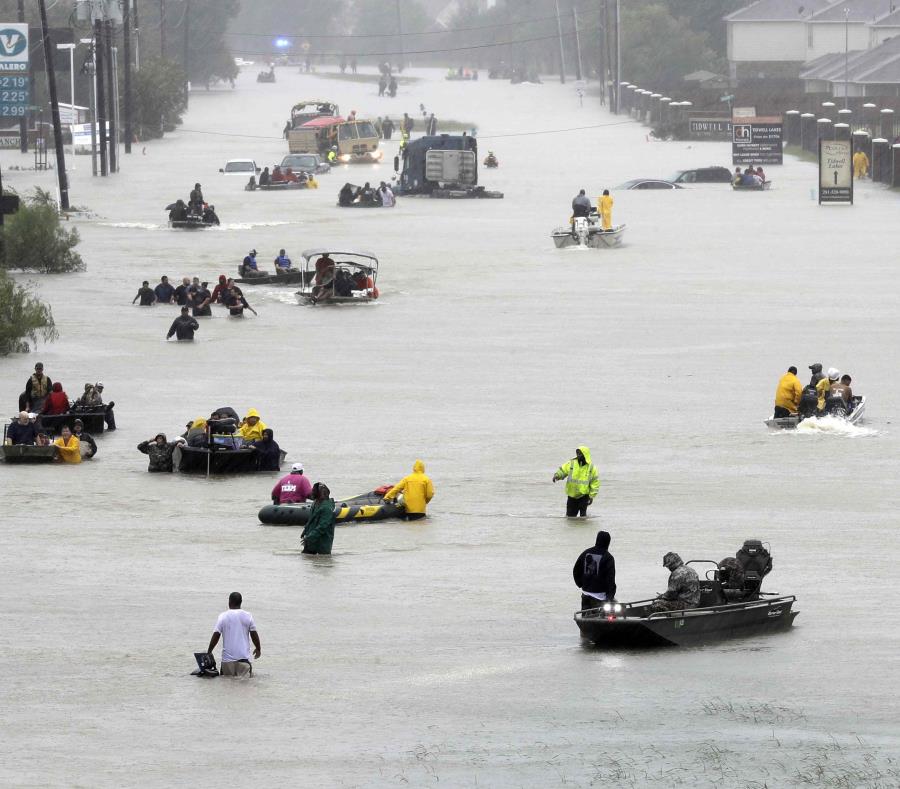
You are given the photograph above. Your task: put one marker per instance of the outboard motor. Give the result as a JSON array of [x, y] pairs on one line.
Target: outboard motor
[[581, 229], [756, 563], [809, 402], [835, 406]]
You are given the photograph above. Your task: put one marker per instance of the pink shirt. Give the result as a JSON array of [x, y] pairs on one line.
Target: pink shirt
[[292, 489]]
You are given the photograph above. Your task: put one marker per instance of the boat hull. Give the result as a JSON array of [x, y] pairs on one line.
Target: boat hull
[[764, 186], [291, 278], [94, 421], [195, 460], [790, 422], [366, 507], [287, 186], [596, 238], [23, 453], [636, 627], [187, 224]]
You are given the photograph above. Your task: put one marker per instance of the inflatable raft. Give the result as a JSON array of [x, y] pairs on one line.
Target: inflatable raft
[[369, 506]]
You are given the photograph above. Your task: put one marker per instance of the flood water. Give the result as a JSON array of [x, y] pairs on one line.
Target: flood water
[[444, 651]]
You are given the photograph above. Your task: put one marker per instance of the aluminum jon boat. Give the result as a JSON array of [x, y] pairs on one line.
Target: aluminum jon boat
[[764, 186], [587, 232], [856, 415], [24, 453]]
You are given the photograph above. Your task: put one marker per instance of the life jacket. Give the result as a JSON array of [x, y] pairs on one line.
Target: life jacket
[[39, 386]]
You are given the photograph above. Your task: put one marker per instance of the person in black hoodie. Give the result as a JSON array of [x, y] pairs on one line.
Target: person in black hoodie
[[595, 573]]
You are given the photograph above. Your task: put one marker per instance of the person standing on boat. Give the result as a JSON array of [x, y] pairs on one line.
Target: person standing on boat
[[581, 205], [417, 489], [318, 534], [293, 488], [582, 482], [788, 394], [195, 200], [595, 573], [605, 206], [684, 586], [37, 388], [237, 629], [183, 327], [159, 450]]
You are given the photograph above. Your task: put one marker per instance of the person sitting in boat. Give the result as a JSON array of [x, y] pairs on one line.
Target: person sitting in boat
[[750, 178], [251, 428], [684, 586], [324, 290], [490, 160], [343, 283], [248, 266], [760, 173], [196, 434], [581, 205], [841, 389], [277, 175], [69, 446], [43, 440], [283, 263], [57, 401], [223, 423], [345, 196], [290, 176], [324, 268], [268, 453], [159, 450], [788, 394], [90, 400], [179, 212], [386, 195], [195, 200], [738, 178], [85, 439], [816, 374], [146, 294], [183, 327], [22, 431], [417, 489], [595, 573], [265, 177], [823, 388], [731, 576], [318, 533], [210, 217], [293, 488]]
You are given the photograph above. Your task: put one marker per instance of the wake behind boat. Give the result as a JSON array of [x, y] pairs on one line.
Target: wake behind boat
[[855, 416]]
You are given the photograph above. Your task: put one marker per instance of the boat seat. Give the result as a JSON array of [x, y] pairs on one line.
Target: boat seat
[[756, 563], [711, 593]]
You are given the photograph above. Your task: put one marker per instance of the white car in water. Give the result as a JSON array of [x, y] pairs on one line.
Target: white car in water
[[242, 167]]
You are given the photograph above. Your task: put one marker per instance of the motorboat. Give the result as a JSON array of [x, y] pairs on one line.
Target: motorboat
[[359, 202], [226, 454], [731, 606], [93, 420], [854, 416], [292, 277], [266, 76], [765, 185], [193, 222], [332, 277], [587, 232], [281, 186], [369, 506], [29, 453]]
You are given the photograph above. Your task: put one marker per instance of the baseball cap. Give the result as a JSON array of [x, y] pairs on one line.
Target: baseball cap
[[297, 467]]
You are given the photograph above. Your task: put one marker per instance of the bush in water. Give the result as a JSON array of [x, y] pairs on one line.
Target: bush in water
[[34, 240], [23, 318], [159, 98]]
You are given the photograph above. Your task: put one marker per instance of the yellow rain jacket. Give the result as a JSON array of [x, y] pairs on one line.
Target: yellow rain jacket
[[252, 432], [604, 206], [580, 480], [788, 393], [416, 488], [822, 389], [860, 164], [71, 452]]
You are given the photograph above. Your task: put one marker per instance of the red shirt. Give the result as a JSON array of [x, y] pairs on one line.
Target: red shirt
[[57, 403]]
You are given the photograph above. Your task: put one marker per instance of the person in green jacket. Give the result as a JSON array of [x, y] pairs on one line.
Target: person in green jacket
[[582, 482], [318, 534]]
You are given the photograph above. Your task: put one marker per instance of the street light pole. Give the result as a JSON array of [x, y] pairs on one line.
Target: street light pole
[[92, 73], [54, 109], [562, 57], [846, 54], [126, 53]]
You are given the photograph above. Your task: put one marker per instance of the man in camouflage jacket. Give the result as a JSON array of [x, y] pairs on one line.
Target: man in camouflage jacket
[[684, 586]]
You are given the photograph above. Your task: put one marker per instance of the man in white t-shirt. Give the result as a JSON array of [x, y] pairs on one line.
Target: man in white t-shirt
[[236, 629]]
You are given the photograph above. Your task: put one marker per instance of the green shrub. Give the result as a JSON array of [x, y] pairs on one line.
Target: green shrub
[[23, 318], [34, 239]]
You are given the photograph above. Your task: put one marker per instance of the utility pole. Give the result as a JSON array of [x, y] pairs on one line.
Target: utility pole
[[90, 68], [846, 55], [110, 96], [54, 109], [100, 99], [23, 121], [399, 37], [562, 58], [162, 28], [137, 37], [617, 84], [187, 50], [578, 70], [126, 52]]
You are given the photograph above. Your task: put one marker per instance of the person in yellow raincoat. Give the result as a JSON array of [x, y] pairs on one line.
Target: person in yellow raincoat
[[252, 427], [788, 394], [582, 482], [823, 387], [69, 447], [417, 490], [604, 206], [860, 164]]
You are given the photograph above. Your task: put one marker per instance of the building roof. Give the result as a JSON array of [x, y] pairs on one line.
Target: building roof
[[879, 65], [703, 76], [778, 11], [860, 11], [889, 20]]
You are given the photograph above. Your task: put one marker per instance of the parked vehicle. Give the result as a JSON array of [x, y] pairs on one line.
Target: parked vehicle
[[305, 163], [242, 167], [703, 175], [648, 183]]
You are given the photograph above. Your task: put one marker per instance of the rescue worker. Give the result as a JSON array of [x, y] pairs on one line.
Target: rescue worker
[[581, 205], [788, 394], [817, 374], [37, 388], [160, 452], [69, 448], [249, 267], [282, 263], [178, 212], [318, 534], [860, 164], [84, 438], [605, 206], [333, 155], [195, 200], [684, 586], [417, 489], [595, 573], [293, 488], [251, 429], [582, 482], [183, 327], [823, 387]]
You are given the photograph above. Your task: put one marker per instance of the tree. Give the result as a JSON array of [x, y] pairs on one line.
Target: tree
[[159, 99], [34, 239], [23, 318]]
